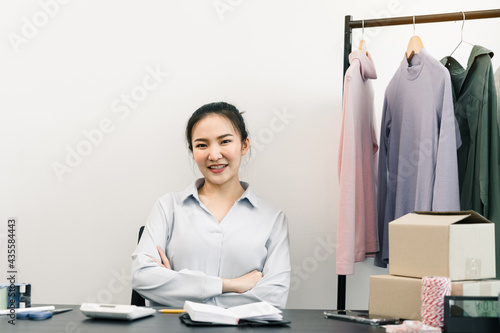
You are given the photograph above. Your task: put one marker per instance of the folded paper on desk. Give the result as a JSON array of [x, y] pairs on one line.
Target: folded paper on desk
[[259, 312]]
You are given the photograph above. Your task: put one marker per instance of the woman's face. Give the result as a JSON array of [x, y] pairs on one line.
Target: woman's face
[[217, 149]]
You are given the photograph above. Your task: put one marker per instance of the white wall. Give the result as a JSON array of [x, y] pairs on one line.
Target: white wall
[[280, 61]]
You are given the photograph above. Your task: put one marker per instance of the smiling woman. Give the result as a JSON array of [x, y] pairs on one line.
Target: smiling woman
[[216, 242], [219, 142]]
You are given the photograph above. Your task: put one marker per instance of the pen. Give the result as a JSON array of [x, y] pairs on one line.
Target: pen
[[171, 311], [56, 311], [33, 309]]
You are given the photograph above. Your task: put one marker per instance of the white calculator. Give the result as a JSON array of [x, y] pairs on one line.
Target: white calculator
[[113, 311]]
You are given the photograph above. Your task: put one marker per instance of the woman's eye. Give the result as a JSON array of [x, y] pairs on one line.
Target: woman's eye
[[201, 145], [225, 141]]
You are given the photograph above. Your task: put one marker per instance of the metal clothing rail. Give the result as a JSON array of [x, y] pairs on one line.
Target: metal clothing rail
[[458, 16], [417, 19]]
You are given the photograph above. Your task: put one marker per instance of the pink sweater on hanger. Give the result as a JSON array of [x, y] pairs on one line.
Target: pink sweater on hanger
[[357, 225]]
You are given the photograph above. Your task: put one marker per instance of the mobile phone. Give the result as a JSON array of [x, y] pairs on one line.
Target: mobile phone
[[360, 316]]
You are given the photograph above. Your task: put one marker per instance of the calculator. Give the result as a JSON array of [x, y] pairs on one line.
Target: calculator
[[113, 311]]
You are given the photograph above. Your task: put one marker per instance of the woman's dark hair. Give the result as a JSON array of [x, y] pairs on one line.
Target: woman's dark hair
[[219, 108]]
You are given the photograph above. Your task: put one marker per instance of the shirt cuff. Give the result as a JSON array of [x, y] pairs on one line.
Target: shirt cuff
[[213, 287]]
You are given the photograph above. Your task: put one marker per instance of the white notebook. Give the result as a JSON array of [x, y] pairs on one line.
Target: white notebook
[[258, 311]]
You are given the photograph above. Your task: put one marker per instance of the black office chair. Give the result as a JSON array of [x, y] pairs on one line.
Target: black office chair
[[137, 299]]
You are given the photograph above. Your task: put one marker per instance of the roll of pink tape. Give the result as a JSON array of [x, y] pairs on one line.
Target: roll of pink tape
[[434, 289]]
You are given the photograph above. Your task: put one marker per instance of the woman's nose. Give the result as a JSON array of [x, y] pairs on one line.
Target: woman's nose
[[214, 153]]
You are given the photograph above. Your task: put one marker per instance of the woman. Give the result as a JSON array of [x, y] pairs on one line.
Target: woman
[[216, 242]]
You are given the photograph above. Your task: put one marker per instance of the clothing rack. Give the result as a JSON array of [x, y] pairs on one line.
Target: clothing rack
[[417, 19]]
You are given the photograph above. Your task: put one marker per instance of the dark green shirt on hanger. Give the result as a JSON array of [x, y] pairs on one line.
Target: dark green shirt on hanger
[[475, 104]]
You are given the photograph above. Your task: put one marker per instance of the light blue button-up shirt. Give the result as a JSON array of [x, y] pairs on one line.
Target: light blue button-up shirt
[[252, 236]]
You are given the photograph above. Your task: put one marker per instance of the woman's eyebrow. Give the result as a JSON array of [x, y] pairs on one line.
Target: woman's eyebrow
[[219, 137]]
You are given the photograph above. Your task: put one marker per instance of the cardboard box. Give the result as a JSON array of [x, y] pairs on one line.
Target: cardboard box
[[458, 245], [476, 288], [398, 296], [395, 296]]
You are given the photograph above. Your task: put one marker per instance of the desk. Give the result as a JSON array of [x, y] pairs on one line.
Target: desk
[[303, 321]]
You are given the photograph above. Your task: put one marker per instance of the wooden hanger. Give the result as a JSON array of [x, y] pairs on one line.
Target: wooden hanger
[[414, 45], [362, 43]]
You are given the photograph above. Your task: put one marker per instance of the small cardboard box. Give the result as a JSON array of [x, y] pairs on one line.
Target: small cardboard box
[[398, 296], [458, 245], [395, 296]]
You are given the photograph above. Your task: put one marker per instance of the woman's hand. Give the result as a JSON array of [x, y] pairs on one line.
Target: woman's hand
[[164, 260], [241, 284]]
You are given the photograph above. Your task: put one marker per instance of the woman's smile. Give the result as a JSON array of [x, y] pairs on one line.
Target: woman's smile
[[217, 168]]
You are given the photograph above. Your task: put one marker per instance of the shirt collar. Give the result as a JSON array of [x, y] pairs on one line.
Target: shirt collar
[[477, 51], [454, 66], [414, 67], [192, 191], [457, 72], [367, 68]]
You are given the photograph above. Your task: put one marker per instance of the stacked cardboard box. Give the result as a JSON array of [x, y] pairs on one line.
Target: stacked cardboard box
[[458, 245]]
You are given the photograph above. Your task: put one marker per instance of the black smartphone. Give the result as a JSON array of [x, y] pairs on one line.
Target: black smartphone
[[361, 316]]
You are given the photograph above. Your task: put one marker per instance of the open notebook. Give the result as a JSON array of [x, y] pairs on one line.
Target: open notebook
[[259, 312]]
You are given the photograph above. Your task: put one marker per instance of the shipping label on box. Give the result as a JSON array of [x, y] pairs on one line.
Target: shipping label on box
[[458, 245]]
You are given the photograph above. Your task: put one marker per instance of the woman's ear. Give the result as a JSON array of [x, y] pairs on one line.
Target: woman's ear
[[245, 146]]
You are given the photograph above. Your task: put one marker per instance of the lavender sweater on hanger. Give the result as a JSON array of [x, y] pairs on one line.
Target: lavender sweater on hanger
[[419, 138]]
